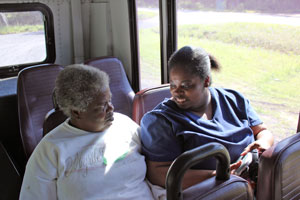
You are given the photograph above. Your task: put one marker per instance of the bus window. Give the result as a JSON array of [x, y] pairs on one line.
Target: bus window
[[257, 44], [24, 36], [149, 42]]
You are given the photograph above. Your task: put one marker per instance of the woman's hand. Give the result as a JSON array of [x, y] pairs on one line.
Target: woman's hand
[[260, 145], [264, 140], [233, 167]]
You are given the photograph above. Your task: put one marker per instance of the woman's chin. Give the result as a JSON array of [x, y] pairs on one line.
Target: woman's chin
[[182, 106]]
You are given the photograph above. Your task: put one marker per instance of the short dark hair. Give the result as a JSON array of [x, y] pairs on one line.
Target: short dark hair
[[195, 60]]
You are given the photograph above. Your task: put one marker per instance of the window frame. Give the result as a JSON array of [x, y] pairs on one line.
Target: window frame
[[13, 70], [134, 45], [171, 43], [168, 42]]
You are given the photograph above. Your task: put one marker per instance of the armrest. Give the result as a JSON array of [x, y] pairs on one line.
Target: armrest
[[188, 159]]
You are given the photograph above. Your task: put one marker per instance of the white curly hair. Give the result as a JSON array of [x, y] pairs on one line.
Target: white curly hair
[[77, 85]]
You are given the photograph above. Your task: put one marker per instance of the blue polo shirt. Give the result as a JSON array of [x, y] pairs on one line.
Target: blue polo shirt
[[167, 131]]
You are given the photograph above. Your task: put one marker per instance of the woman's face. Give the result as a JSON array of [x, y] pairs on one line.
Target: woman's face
[[188, 91], [99, 114]]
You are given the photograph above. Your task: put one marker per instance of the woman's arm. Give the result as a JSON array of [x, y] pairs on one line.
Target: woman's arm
[[157, 172], [39, 180], [264, 139], [35, 187]]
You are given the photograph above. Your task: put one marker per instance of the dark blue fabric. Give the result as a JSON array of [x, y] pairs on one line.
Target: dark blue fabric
[[168, 131]]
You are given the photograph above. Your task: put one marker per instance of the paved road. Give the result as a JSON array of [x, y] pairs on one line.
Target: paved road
[[22, 48]]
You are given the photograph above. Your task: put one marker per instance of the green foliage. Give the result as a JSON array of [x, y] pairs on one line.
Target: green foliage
[[21, 29], [24, 18], [150, 53], [283, 38], [187, 5], [147, 3], [143, 15]]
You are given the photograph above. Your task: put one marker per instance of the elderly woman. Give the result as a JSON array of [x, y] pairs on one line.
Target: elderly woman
[[94, 154], [195, 115]]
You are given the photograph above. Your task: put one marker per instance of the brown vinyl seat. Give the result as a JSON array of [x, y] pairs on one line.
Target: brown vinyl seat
[[122, 93], [34, 90], [279, 170], [145, 100]]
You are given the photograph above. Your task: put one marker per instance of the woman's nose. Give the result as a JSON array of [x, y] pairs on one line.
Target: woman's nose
[[177, 90], [110, 107]]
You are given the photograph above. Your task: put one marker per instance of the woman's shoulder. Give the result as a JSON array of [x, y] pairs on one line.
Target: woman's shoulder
[[164, 114], [124, 122], [46, 149], [167, 105], [63, 131], [161, 109], [120, 118], [226, 92]]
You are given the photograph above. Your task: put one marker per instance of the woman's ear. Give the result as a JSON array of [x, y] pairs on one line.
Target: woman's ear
[[207, 81], [75, 114]]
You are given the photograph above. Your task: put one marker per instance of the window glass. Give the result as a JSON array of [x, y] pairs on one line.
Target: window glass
[[22, 38], [258, 46], [149, 42]]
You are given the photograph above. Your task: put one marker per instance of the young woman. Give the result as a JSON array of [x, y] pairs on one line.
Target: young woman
[[195, 115]]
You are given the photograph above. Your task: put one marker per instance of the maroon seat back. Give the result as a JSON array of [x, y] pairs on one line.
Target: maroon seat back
[[279, 170], [34, 91], [122, 93], [145, 100]]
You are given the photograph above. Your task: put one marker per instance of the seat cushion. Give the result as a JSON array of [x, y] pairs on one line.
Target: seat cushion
[[233, 188]]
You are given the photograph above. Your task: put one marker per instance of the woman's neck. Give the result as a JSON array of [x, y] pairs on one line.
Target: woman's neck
[[205, 111]]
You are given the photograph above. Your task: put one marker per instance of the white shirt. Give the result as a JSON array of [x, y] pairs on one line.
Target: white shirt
[[70, 163]]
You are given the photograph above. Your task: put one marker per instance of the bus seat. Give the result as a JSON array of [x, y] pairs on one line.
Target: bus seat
[[145, 100], [10, 180], [122, 93], [278, 172], [34, 90], [52, 119], [223, 186]]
